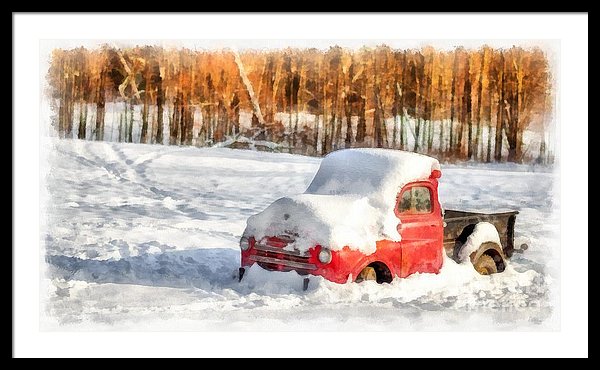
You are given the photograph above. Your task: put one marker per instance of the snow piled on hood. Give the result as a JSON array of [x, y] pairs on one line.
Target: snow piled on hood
[[350, 201], [327, 220]]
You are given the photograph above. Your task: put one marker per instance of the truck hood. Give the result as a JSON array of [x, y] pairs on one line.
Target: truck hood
[[332, 221]]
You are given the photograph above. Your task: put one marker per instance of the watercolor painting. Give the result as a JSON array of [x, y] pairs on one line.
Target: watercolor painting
[[371, 186]]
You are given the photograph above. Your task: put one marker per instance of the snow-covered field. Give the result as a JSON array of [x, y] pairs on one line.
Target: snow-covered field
[[145, 237]]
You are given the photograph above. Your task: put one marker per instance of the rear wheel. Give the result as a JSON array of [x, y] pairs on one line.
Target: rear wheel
[[485, 265], [368, 273]]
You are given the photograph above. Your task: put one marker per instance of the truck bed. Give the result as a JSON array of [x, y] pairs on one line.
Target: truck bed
[[459, 224]]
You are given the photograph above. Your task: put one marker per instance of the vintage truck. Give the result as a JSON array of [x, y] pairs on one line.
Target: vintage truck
[[373, 214]]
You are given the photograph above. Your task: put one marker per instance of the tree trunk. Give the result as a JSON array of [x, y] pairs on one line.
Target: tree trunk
[[68, 102], [130, 132], [382, 126], [174, 124], [468, 107], [395, 131], [319, 109], [348, 114], [123, 135], [432, 106], [348, 108], [428, 138], [541, 159], [441, 102], [488, 157], [417, 134], [160, 97], [144, 131], [324, 135], [235, 107], [401, 108], [100, 108], [378, 122], [189, 121], [82, 120], [182, 131], [514, 153], [395, 110], [61, 100], [461, 126], [334, 112], [79, 93], [361, 128], [478, 111], [513, 132], [338, 126], [500, 116], [299, 85], [151, 125], [419, 101], [316, 134], [145, 109], [290, 111], [452, 93], [268, 78], [519, 126], [121, 115]]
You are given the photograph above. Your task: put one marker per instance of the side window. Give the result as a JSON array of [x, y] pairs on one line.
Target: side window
[[405, 202], [415, 200]]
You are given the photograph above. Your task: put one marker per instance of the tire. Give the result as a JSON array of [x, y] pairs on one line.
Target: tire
[[485, 265], [368, 273]]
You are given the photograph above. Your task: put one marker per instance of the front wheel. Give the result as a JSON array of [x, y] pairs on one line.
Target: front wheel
[[368, 273]]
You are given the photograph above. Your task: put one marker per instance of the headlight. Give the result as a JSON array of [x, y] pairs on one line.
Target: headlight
[[244, 243], [325, 255]]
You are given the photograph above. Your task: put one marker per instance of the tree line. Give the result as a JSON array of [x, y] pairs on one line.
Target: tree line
[[463, 104]]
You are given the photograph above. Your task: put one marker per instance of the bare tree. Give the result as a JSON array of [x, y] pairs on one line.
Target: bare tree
[[467, 106], [500, 115], [452, 98], [475, 150]]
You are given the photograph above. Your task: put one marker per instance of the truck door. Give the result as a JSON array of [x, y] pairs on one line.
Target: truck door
[[421, 228]]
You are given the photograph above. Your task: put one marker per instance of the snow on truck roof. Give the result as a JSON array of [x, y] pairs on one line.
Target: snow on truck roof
[[369, 171], [350, 201]]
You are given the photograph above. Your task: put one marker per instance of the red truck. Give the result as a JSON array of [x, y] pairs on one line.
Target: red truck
[[337, 228]]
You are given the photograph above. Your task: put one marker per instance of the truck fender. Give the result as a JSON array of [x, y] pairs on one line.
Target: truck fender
[[482, 239]]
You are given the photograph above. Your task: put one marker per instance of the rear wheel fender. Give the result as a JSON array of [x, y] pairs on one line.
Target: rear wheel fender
[[478, 241]]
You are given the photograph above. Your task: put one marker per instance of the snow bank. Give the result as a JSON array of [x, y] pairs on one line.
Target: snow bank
[[350, 201], [483, 232], [126, 261]]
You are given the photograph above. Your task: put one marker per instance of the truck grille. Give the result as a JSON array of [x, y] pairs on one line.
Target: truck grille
[[270, 255]]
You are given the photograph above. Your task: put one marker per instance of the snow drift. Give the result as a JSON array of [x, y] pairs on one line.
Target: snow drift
[[145, 237], [350, 201]]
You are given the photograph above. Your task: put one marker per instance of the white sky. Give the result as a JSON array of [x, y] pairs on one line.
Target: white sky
[[242, 44]]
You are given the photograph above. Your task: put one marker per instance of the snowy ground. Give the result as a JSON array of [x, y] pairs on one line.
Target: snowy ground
[[145, 237]]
